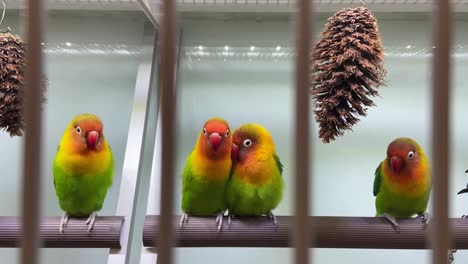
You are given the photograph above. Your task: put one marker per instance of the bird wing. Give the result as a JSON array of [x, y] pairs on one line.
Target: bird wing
[[278, 163], [378, 179]]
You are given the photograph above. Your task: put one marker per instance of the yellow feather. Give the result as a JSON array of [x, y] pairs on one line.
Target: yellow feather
[[88, 163], [261, 167], [413, 185], [84, 164], [217, 169]]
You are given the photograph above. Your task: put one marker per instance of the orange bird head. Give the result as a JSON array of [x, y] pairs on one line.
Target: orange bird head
[[215, 138], [85, 134], [404, 156]]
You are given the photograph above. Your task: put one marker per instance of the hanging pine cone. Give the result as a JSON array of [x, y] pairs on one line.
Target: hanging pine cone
[[12, 66], [348, 67]]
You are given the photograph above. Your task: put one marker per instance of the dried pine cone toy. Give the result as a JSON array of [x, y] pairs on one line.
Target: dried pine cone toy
[[12, 66], [348, 67]]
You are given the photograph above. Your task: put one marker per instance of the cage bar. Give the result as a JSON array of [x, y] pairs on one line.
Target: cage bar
[[301, 235], [30, 240], [441, 128], [167, 92], [329, 232]]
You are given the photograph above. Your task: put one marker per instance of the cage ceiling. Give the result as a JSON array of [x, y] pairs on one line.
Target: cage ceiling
[[320, 5], [242, 5]]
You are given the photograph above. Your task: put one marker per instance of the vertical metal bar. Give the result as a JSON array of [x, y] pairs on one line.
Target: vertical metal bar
[[32, 141], [301, 235], [441, 128], [167, 92]]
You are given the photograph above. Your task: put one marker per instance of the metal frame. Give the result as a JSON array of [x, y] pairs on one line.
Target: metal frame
[[134, 187], [149, 12], [281, 6]]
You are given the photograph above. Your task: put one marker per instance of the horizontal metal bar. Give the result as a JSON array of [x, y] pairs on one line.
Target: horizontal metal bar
[[318, 8], [330, 232], [105, 233]]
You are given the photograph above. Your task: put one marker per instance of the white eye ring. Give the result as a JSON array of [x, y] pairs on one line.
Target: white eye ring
[[411, 155], [227, 132], [204, 131], [78, 130], [247, 143]]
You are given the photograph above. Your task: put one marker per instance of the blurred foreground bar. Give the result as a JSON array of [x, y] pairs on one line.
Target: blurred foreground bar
[[330, 232], [105, 234]]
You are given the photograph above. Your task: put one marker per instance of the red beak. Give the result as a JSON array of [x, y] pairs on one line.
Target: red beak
[[215, 141], [92, 139], [396, 163], [234, 152]]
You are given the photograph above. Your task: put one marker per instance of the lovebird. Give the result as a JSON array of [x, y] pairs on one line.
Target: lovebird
[[256, 184], [83, 169], [206, 173], [403, 182]]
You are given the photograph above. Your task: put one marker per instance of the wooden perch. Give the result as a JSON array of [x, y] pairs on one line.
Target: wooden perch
[[105, 234], [331, 232]]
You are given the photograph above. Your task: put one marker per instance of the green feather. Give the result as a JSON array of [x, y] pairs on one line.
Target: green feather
[[250, 199], [200, 195], [278, 163], [245, 198], [81, 194], [377, 179], [244, 194], [396, 204]]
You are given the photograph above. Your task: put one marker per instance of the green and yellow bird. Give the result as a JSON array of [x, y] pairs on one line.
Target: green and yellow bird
[[206, 172], [256, 184], [83, 169], [403, 182]]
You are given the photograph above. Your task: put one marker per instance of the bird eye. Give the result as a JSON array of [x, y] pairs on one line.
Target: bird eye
[[410, 155], [78, 130], [204, 131], [247, 143], [227, 133]]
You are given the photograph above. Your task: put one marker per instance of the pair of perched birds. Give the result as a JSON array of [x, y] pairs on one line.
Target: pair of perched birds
[[239, 172]]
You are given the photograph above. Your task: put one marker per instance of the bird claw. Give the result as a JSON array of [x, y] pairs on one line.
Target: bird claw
[[219, 221], [392, 220], [273, 217], [91, 220], [183, 219], [426, 217], [63, 222]]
